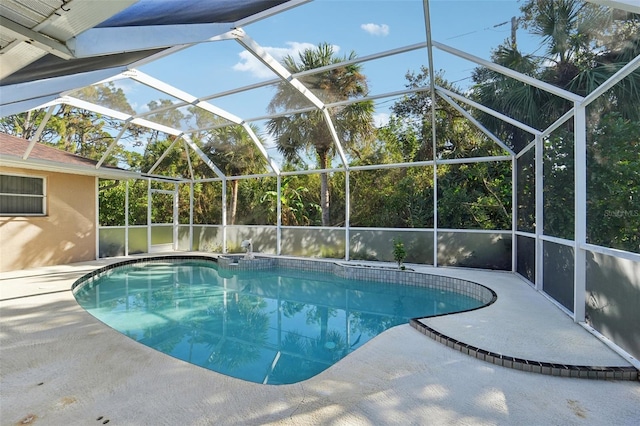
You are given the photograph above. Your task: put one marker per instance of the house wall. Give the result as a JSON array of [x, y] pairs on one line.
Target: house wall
[[66, 234]]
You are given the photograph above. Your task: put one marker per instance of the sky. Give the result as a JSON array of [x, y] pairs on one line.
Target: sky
[[362, 26]]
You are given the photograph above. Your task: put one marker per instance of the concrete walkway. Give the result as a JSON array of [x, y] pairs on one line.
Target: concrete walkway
[[61, 366]]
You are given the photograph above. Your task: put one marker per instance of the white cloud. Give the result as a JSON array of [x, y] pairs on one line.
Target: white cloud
[[376, 29], [381, 119], [248, 62]]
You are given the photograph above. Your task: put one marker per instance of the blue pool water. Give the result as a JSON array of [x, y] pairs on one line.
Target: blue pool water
[[274, 327]]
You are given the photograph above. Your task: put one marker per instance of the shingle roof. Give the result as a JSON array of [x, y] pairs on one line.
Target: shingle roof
[[14, 146]]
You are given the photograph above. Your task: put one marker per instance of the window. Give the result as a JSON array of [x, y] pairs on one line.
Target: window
[[22, 195]]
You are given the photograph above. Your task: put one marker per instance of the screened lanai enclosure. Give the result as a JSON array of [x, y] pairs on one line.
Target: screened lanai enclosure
[[485, 134]]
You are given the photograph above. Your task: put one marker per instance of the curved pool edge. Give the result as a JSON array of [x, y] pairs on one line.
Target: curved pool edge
[[77, 284], [391, 274], [482, 295], [528, 365]]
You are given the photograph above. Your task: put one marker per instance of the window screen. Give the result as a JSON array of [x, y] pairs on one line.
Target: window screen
[[21, 195]]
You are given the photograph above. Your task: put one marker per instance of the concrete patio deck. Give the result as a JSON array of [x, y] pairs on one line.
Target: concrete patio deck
[[61, 366]]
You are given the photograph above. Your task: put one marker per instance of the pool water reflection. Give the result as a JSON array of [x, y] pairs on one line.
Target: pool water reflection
[[274, 327]]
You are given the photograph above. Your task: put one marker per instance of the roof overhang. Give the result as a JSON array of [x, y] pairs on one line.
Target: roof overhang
[[53, 166], [50, 48]]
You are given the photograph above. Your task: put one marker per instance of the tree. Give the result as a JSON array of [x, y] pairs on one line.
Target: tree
[[77, 131], [473, 196], [584, 44], [308, 131], [525, 103], [233, 151], [24, 125], [293, 202], [613, 183]]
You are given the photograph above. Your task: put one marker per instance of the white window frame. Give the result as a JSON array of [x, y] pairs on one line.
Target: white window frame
[[42, 196]]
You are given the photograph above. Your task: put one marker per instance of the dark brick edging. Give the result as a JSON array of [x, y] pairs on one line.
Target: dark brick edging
[[547, 368]]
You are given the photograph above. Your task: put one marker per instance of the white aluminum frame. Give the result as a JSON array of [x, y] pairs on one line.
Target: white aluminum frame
[[23, 96]]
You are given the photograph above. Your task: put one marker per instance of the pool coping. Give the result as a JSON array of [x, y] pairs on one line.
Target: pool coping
[[404, 277]]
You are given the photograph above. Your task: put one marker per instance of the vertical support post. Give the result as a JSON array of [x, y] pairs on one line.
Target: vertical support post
[[580, 234], [149, 215], [175, 216], [435, 210], [224, 215], [427, 22], [279, 215], [539, 200], [191, 216], [97, 217], [347, 209], [514, 213], [126, 217]]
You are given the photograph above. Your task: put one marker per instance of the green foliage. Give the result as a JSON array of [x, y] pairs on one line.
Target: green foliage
[[138, 200], [80, 131], [296, 208], [526, 201], [392, 198], [583, 45], [251, 210], [399, 253], [207, 203], [613, 183], [111, 201], [475, 196], [558, 191]]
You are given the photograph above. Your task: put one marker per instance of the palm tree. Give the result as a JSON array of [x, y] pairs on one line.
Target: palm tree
[[308, 131], [584, 44]]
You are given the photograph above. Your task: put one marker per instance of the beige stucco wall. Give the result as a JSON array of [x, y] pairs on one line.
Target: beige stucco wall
[[66, 234]]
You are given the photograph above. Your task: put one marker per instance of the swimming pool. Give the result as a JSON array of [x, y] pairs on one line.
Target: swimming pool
[[271, 326]]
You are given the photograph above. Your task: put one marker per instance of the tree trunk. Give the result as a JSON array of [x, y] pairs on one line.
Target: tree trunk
[[233, 207], [324, 190], [29, 126], [324, 324]]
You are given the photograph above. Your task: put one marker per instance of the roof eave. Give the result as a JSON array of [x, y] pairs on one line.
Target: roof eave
[[52, 166]]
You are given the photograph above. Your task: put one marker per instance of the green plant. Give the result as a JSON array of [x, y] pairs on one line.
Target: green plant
[[399, 253]]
